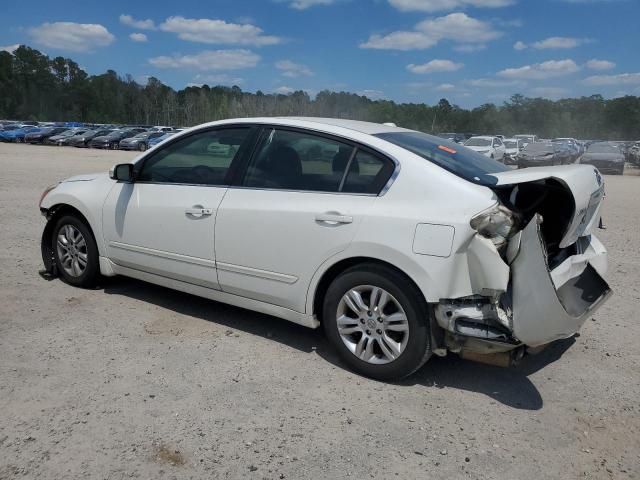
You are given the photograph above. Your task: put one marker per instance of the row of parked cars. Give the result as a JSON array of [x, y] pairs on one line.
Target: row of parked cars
[[123, 137], [528, 150]]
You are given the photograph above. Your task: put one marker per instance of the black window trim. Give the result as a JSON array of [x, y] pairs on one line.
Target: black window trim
[[247, 146], [357, 146]]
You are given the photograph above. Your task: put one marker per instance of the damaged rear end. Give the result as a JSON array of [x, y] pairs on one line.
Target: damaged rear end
[[536, 266]]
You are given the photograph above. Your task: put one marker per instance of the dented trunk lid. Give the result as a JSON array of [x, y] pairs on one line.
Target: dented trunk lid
[[583, 181]]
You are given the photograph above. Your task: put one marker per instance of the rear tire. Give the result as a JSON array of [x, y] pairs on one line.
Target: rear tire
[[142, 147], [389, 336], [75, 252]]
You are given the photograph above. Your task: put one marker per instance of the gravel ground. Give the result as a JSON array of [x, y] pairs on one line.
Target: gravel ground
[[134, 380]]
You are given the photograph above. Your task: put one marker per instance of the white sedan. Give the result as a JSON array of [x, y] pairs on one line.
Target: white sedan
[[491, 147], [399, 244]]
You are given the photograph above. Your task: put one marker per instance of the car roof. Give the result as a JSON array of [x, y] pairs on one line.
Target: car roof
[[369, 128]]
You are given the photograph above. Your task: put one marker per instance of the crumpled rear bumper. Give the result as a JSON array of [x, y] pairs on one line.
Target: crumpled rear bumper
[[550, 305]]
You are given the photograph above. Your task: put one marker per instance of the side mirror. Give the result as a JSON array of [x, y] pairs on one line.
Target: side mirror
[[123, 172]]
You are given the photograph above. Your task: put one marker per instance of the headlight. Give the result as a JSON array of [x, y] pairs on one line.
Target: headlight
[[46, 191], [496, 224]]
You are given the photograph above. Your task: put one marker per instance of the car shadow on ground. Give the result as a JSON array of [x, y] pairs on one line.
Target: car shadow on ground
[[509, 386]]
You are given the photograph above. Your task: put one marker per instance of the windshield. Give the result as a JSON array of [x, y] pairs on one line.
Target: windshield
[[510, 144], [462, 162], [478, 142], [603, 148]]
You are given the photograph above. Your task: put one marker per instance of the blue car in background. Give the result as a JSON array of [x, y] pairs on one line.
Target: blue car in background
[[17, 135], [154, 141]]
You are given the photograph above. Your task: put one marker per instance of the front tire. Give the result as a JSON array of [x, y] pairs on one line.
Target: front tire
[[75, 252], [378, 322], [142, 147]]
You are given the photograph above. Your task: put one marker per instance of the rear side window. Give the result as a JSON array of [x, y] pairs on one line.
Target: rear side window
[[201, 159], [368, 173], [289, 160]]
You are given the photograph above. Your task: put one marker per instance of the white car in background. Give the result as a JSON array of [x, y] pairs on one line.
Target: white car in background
[[488, 146], [399, 244], [512, 146]]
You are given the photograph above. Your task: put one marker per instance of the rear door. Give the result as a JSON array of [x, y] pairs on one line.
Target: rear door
[[293, 208], [163, 223]]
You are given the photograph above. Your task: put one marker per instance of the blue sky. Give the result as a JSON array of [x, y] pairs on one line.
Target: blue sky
[[468, 51]]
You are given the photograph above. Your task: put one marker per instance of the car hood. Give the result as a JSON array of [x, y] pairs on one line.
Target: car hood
[[583, 181]]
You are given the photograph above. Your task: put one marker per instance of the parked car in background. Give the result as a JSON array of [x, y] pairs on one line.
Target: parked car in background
[[17, 135], [606, 157], [61, 138], [44, 133], [139, 141], [527, 138], [112, 139], [512, 148], [539, 154], [488, 146], [633, 154], [571, 144], [154, 141], [83, 139], [454, 137]]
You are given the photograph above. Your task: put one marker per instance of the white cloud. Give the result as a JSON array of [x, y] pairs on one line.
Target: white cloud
[[620, 79], [595, 64], [209, 60], [370, 93], [470, 48], [9, 48], [206, 30], [284, 90], [552, 93], [445, 87], [457, 27], [493, 83], [138, 37], [304, 4], [542, 71], [519, 45], [129, 21], [435, 66], [74, 37], [446, 5], [559, 43], [291, 69], [217, 79]]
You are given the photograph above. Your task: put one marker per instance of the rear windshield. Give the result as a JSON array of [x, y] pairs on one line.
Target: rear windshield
[[458, 160]]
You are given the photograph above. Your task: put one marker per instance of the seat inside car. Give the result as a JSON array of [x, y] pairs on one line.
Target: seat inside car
[[340, 160], [282, 166]]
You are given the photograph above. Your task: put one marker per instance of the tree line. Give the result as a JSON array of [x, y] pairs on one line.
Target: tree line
[[36, 87]]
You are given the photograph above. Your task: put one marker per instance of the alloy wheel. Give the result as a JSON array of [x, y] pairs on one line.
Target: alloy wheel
[[372, 324], [72, 250]]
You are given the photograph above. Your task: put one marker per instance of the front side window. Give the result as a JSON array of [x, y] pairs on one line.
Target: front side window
[[201, 159]]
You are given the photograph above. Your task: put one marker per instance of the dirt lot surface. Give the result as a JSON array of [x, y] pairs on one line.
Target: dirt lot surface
[[134, 380]]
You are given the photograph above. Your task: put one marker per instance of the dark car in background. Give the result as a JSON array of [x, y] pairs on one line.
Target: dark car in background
[[606, 157], [454, 137], [139, 141], [83, 139], [43, 134], [61, 138], [538, 154], [112, 139], [569, 144]]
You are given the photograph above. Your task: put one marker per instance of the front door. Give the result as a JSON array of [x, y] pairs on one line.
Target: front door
[[164, 222]]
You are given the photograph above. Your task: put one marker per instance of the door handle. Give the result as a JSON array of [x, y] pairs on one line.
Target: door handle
[[199, 211], [333, 218]]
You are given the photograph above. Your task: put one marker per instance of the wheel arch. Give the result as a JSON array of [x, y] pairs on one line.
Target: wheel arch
[[53, 214], [334, 270]]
